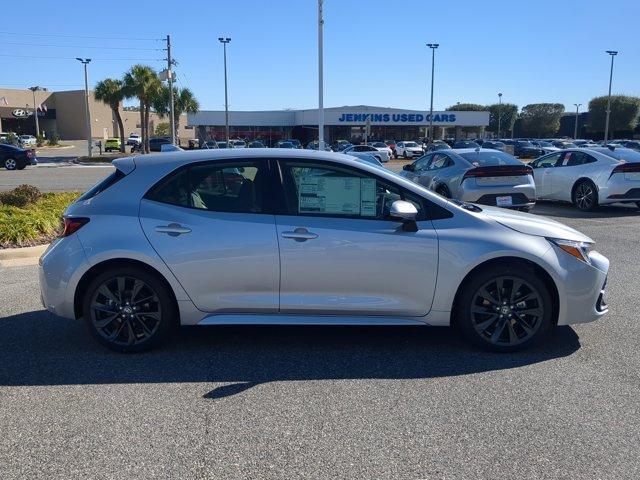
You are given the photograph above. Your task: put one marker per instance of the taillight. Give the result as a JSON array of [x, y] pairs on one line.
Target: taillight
[[498, 171], [627, 167], [72, 225]]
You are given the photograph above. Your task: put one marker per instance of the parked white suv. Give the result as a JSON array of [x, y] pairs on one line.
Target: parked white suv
[[408, 150], [134, 139]]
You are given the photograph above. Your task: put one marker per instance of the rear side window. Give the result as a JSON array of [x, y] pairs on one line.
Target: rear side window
[[101, 186], [235, 188]]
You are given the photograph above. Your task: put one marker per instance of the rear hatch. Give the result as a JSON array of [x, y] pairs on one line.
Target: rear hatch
[[495, 175]]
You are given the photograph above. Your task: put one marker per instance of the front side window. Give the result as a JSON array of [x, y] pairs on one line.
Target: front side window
[[213, 186], [548, 161], [439, 161], [421, 163], [333, 191]]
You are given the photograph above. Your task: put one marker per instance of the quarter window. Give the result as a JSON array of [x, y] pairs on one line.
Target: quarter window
[[334, 191], [213, 186]]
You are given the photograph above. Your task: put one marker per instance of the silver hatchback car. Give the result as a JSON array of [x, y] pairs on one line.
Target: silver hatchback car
[[477, 175], [281, 236]]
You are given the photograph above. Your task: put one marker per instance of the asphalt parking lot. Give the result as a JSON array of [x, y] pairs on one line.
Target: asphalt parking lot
[[327, 402]]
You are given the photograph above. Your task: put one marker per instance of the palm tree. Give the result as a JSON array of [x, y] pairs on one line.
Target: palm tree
[[110, 92], [183, 102], [141, 81]]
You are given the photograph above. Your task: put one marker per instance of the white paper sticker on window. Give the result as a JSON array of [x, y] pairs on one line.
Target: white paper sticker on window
[[337, 195]]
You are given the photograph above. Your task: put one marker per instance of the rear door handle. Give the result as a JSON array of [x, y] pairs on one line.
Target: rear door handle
[[173, 229], [300, 234]]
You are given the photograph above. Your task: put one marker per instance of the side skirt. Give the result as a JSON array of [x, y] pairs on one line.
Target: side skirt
[[294, 319]]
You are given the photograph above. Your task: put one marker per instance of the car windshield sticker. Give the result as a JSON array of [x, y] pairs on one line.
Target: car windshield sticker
[[337, 195]]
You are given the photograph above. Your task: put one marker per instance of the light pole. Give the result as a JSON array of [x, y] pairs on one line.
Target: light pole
[[35, 110], [613, 53], [575, 128], [320, 78], [433, 47], [224, 41], [85, 62], [499, 113]]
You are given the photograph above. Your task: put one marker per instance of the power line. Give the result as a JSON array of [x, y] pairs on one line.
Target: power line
[[81, 36], [77, 46], [73, 58]]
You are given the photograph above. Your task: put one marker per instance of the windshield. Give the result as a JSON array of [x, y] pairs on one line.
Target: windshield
[[621, 154], [487, 158], [545, 144], [524, 144], [379, 144], [410, 144]]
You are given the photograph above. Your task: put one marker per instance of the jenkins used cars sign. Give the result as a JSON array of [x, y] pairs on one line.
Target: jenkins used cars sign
[[448, 118]]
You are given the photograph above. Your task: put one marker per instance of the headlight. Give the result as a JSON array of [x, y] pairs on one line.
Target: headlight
[[580, 250]]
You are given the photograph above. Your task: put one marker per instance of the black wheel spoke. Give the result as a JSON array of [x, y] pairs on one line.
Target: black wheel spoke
[[482, 326], [103, 322], [106, 292], [487, 296], [121, 282], [495, 337], [522, 323], [137, 286]]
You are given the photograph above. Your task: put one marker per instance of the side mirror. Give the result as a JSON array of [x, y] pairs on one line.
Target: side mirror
[[408, 167], [404, 212]]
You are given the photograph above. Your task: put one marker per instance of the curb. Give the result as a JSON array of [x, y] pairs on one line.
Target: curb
[[22, 253]]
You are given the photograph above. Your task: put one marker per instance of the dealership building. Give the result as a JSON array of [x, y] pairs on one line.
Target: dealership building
[[341, 123], [64, 112]]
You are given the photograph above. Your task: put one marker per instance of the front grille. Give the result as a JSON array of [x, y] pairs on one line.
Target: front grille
[[490, 199]]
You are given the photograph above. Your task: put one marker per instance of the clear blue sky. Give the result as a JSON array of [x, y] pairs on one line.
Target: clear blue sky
[[375, 53]]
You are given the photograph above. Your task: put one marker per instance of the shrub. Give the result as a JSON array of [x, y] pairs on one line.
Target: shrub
[[20, 196], [54, 139], [39, 140], [12, 139]]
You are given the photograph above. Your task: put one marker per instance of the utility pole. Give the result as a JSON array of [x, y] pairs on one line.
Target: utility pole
[[172, 118], [320, 77], [85, 62], [433, 47], [35, 109], [575, 128], [613, 53], [499, 113], [224, 42]]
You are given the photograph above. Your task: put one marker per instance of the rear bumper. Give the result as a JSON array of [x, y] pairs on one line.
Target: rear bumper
[[523, 195], [630, 195]]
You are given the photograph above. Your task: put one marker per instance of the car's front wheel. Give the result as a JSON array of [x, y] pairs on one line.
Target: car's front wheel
[[504, 308], [128, 309]]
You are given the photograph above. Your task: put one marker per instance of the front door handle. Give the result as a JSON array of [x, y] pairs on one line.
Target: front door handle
[[300, 234], [173, 229]]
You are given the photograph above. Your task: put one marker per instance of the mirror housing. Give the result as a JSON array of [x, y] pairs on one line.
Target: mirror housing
[[405, 212], [408, 167]]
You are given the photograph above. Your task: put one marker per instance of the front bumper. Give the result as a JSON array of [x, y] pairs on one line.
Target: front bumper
[[581, 287]]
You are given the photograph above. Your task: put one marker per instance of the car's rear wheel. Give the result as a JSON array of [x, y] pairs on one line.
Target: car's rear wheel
[[128, 309], [404, 155], [585, 196], [443, 191], [10, 164], [504, 309]]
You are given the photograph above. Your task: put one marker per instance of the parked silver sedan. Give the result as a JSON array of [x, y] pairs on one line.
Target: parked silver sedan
[[290, 236], [476, 175], [589, 177]]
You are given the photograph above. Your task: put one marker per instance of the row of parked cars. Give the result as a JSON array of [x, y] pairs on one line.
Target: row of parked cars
[[586, 177]]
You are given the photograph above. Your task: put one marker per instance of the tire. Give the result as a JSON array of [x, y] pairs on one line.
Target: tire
[[585, 196], [443, 191], [491, 320], [116, 325], [405, 156], [10, 163], [21, 166]]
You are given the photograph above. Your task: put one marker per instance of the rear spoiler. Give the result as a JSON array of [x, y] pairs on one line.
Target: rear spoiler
[[499, 171], [125, 165]]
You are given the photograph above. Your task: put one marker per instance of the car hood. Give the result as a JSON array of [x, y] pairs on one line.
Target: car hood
[[533, 224]]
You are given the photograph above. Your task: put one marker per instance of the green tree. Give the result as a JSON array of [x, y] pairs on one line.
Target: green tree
[[163, 129], [541, 119], [469, 107], [183, 102], [142, 82], [110, 91], [507, 113], [624, 113]]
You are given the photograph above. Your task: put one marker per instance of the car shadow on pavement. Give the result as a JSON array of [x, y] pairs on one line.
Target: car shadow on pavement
[[566, 210], [43, 349]]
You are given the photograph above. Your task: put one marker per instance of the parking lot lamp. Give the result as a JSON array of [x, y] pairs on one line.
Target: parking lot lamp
[[85, 62], [575, 128], [320, 78], [433, 47], [35, 109], [224, 41], [499, 113], [613, 53]]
